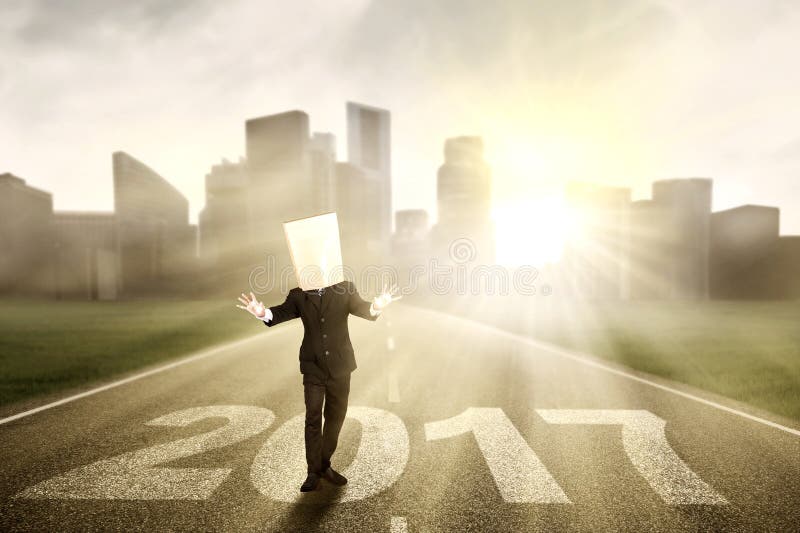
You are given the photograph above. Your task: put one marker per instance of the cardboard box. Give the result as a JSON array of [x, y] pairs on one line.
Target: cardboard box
[[316, 250]]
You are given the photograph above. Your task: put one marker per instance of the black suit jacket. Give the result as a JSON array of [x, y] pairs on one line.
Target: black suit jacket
[[326, 341]]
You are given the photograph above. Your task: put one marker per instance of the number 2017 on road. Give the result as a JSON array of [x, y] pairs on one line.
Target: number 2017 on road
[[519, 474]]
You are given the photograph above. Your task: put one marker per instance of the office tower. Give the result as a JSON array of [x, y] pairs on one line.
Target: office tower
[[322, 149], [463, 183], [464, 199], [85, 255], [410, 239], [225, 220], [357, 210], [670, 241], [596, 254], [411, 224], [749, 258], [651, 243], [369, 148], [156, 243], [279, 170], [775, 274], [26, 241], [686, 266]]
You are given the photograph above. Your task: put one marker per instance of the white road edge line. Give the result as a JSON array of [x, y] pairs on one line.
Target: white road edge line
[[586, 360], [189, 359], [394, 390]]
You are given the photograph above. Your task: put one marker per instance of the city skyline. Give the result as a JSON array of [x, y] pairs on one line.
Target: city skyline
[[539, 234], [632, 107]]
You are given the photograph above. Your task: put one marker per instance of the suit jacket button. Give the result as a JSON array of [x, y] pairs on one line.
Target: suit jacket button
[[322, 319], [326, 352], [324, 335]]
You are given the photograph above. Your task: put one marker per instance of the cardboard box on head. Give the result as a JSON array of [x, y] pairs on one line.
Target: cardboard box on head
[[315, 250]]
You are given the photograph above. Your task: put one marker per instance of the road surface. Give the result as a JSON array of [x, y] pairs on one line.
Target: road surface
[[453, 426]]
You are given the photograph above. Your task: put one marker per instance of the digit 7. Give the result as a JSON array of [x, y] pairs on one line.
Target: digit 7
[[645, 443]]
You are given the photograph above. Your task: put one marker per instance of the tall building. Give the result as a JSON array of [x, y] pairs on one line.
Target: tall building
[[280, 184], [740, 237], [85, 255], [411, 225], [357, 212], [596, 255], [369, 148], [224, 222], [279, 171], [322, 149], [410, 239], [669, 241], [464, 198], [749, 258], [651, 243], [463, 183], [686, 266], [26, 240], [157, 245], [774, 275]]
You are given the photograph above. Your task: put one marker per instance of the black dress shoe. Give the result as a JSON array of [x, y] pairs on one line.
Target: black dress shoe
[[334, 477], [311, 483]]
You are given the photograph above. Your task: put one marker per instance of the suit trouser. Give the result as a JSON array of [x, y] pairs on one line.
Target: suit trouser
[[321, 440]]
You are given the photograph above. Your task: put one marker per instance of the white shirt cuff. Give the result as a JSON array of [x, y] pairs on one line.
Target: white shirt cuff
[[267, 315], [373, 311]]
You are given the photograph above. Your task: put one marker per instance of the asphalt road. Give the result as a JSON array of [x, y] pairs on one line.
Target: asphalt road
[[452, 426]]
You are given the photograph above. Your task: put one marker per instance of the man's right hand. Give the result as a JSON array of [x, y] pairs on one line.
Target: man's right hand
[[252, 306]]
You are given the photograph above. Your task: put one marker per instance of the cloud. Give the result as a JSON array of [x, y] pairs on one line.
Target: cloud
[[648, 88], [67, 23]]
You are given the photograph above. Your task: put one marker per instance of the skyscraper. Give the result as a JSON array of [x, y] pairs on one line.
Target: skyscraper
[[279, 170], [464, 198], [651, 242], [225, 219], [688, 202], [596, 254], [741, 238], [280, 182], [358, 212], [463, 182], [670, 241], [369, 148], [86, 255], [156, 243], [410, 240], [322, 150], [26, 240]]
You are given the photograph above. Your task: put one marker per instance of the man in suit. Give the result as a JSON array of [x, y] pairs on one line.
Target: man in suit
[[326, 361]]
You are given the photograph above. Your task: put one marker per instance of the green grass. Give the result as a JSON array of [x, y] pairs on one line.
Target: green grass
[[48, 346], [747, 351]]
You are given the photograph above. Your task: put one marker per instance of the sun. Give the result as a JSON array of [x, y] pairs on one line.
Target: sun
[[530, 217], [531, 232]]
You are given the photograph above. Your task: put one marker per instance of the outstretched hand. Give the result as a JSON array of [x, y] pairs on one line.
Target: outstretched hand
[[251, 305], [380, 302]]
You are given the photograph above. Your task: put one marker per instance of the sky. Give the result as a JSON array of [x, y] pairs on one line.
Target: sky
[[619, 92]]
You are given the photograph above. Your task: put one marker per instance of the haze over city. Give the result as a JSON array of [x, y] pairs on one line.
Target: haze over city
[[621, 93]]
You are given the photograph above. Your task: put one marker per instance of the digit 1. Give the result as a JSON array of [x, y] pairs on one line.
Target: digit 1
[[519, 474]]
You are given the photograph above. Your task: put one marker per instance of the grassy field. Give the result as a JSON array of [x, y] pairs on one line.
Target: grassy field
[[48, 346], [747, 351]]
